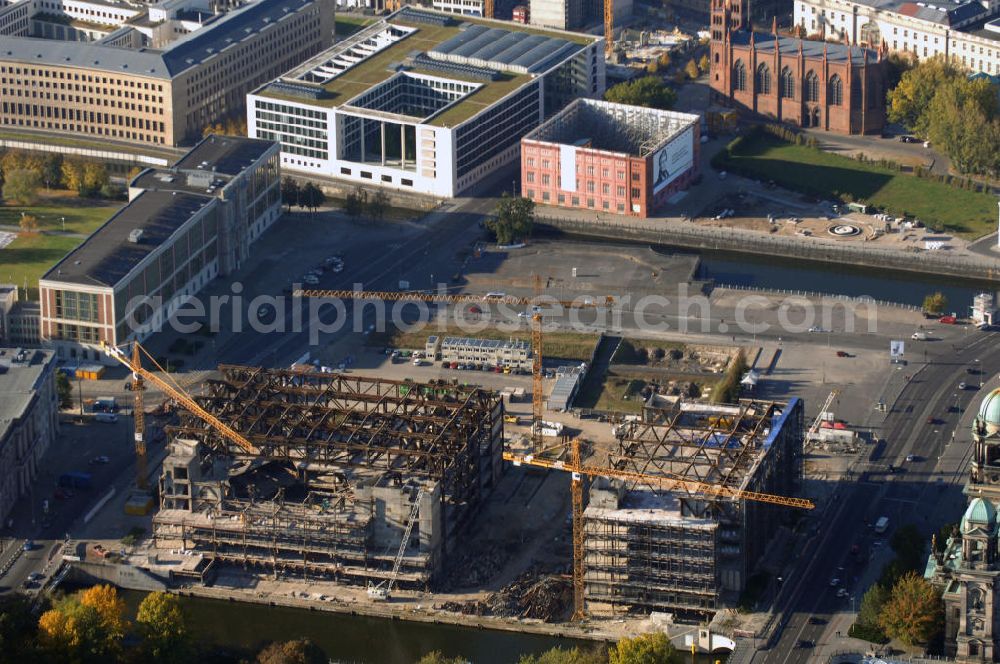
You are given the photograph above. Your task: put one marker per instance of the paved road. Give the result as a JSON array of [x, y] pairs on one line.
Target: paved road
[[926, 492]]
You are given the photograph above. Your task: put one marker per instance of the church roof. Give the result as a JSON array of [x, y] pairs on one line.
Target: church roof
[[989, 410], [789, 47], [980, 513]]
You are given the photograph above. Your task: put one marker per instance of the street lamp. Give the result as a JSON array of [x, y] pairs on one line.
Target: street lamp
[[63, 220]]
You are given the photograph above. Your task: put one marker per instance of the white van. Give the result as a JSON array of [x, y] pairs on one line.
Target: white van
[[881, 524], [919, 336], [108, 418]]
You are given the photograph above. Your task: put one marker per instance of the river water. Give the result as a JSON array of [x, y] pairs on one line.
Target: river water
[[351, 639], [749, 270]]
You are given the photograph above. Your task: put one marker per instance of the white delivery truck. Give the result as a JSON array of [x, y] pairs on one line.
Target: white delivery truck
[[881, 524]]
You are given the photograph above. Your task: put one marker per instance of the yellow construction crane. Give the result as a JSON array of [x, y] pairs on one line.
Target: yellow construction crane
[[578, 469], [176, 393], [537, 397], [609, 27], [138, 416]]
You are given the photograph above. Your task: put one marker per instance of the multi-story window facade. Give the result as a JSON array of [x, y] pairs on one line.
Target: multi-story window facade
[[183, 226], [153, 96], [449, 116]]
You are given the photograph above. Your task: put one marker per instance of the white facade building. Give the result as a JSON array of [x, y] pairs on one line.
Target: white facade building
[[966, 32], [423, 101]]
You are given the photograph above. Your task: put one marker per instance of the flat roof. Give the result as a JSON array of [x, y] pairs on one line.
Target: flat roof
[[943, 12], [181, 54], [210, 164], [432, 30], [107, 255], [18, 382]]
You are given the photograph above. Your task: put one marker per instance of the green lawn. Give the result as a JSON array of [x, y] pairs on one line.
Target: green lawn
[[348, 25], [812, 171], [30, 255]]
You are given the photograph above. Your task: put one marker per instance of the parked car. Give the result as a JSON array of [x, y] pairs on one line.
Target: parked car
[[841, 353]]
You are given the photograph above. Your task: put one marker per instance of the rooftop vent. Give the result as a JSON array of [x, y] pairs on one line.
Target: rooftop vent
[[135, 236]]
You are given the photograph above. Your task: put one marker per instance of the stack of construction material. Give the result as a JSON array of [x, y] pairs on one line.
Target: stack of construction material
[[532, 596]]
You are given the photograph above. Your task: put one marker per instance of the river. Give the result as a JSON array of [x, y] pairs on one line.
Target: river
[[350, 639], [732, 269]]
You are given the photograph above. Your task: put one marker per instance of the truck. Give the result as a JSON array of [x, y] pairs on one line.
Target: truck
[[881, 524], [105, 405], [75, 480]]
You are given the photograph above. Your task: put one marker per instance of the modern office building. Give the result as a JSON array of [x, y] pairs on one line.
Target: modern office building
[[597, 155], [157, 74], [424, 101], [182, 227], [836, 87], [967, 32], [681, 551], [29, 420]]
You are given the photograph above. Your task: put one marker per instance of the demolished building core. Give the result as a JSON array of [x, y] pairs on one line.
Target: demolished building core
[[679, 551], [342, 458]]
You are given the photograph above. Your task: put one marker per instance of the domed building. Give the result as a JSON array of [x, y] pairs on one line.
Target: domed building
[[969, 568]]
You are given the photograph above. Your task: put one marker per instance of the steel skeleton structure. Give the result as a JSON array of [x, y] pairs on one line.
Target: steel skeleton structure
[[348, 442], [691, 550]]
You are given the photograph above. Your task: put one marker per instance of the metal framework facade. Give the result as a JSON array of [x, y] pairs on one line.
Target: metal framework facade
[[700, 554], [349, 441]]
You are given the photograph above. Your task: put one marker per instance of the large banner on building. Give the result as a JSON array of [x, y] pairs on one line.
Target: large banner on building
[[567, 167], [673, 159]]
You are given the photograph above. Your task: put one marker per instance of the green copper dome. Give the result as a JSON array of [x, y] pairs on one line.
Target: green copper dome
[[980, 513], [989, 411]]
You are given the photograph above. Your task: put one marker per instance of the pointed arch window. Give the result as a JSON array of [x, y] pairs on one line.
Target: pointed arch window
[[739, 76], [763, 79], [835, 95], [787, 84], [812, 87]]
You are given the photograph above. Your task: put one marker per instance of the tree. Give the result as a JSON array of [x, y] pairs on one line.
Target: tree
[[648, 91], [18, 627], [652, 67], [727, 390], [311, 196], [515, 217], [910, 100], [962, 120], [438, 657], [64, 390], [95, 176], [59, 636], [354, 204], [72, 174], [378, 205], [289, 192], [110, 610], [301, 651], [13, 160], [704, 64], [691, 69], [28, 223], [51, 173], [664, 60], [567, 656], [908, 543], [914, 613], [935, 303], [644, 649], [163, 629], [872, 603], [21, 186]]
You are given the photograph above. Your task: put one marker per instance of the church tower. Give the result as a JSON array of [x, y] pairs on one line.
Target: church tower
[[727, 16]]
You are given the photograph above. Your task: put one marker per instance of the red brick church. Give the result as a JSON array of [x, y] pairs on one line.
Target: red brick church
[[836, 87]]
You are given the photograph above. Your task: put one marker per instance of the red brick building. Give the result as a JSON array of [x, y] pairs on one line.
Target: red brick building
[[608, 157], [836, 87]]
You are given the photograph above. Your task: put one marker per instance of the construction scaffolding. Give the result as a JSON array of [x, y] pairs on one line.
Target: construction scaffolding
[[342, 458], [683, 551]]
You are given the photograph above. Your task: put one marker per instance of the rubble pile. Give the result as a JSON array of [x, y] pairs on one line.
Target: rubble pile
[[531, 596]]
